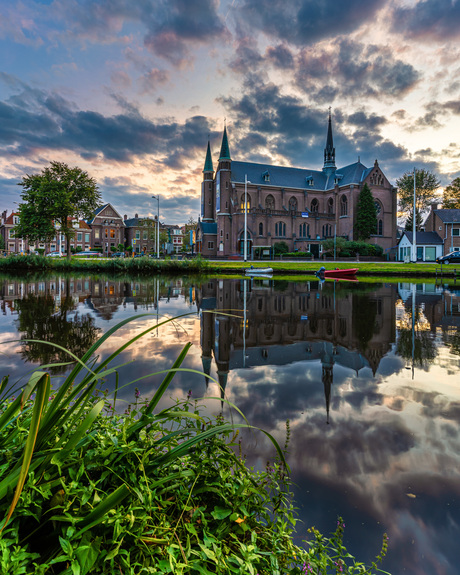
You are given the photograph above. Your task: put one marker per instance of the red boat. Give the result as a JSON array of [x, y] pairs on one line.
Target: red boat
[[337, 273]]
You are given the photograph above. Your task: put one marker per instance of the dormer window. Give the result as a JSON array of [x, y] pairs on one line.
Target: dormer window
[[266, 176], [337, 179], [310, 181]]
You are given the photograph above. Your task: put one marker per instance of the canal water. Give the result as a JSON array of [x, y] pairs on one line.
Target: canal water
[[366, 373]]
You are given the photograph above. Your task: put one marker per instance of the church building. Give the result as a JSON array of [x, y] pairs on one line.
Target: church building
[[298, 206]]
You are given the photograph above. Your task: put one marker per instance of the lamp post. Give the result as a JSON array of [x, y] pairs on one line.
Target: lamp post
[[157, 198], [414, 226], [246, 181]]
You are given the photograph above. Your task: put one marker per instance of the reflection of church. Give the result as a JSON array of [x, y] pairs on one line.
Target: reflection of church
[[305, 322]]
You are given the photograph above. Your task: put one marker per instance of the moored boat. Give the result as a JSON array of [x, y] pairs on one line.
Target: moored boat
[[252, 271], [337, 273]]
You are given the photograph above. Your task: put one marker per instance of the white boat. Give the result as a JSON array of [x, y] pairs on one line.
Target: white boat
[[252, 271]]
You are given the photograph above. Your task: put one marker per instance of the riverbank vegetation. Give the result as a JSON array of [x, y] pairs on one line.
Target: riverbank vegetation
[[89, 486], [145, 266]]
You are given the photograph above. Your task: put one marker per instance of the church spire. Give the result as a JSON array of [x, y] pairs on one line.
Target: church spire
[[224, 149], [329, 151], [208, 162]]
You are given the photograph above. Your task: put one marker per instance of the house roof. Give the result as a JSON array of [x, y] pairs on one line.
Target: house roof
[[135, 222], [451, 216], [9, 220], [423, 238], [286, 177], [97, 211]]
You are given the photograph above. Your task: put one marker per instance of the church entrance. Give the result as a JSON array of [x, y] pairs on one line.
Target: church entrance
[[249, 247], [314, 249]]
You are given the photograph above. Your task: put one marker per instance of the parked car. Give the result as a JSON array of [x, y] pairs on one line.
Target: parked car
[[141, 255], [450, 258], [118, 255], [55, 255]]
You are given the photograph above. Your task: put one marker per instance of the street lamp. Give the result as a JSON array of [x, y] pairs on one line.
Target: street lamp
[[157, 198], [246, 182]]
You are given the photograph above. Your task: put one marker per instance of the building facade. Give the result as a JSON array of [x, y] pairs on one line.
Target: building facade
[[298, 206], [446, 223]]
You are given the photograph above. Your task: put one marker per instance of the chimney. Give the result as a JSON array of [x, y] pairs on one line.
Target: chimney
[[125, 217], [4, 215], [434, 206]]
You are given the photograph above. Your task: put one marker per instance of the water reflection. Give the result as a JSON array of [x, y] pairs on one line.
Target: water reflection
[[379, 363]]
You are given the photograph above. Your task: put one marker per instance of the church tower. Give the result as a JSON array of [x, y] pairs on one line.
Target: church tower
[[329, 166], [223, 191], [207, 189]]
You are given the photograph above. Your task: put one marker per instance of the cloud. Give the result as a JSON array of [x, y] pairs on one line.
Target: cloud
[[306, 21], [33, 120], [353, 68], [435, 19]]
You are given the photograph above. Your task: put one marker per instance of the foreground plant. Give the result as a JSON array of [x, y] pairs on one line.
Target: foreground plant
[[86, 490]]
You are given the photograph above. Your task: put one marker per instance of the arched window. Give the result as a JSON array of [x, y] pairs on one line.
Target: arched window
[[314, 205], [242, 202], [280, 229], [270, 202], [261, 229], [293, 204], [380, 228], [330, 206], [304, 230], [343, 206]]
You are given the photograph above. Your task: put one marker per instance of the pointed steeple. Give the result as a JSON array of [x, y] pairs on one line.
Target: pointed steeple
[[224, 149], [329, 151], [208, 162]]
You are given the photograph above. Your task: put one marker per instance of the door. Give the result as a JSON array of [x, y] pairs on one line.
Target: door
[[314, 249], [430, 254]]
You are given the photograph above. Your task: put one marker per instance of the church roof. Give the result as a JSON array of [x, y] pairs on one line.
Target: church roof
[[208, 227], [300, 178], [208, 162]]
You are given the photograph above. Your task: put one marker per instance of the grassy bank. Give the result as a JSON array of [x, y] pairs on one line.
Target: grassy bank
[[87, 487], [148, 266]]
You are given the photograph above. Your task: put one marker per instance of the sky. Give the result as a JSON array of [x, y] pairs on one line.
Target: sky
[[130, 91]]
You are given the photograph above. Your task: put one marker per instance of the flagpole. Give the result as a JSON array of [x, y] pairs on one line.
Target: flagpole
[[414, 226]]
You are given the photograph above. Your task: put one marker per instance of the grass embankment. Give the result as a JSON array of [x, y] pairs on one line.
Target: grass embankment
[[198, 265], [85, 489]]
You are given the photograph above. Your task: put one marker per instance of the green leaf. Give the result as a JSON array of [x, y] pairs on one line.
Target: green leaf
[[221, 512]]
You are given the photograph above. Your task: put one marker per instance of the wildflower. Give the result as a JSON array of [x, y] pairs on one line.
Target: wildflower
[[189, 394], [137, 393]]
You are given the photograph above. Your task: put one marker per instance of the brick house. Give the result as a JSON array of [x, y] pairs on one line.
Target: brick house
[[446, 223], [141, 234], [108, 229]]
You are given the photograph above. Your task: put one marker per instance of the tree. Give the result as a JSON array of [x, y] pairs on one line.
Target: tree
[[51, 199], [366, 217], [2, 243], [418, 221], [451, 195], [426, 184]]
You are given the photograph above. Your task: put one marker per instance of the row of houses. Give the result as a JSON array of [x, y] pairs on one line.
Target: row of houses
[[440, 235], [107, 231]]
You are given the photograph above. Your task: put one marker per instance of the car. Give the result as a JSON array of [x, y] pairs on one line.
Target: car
[[141, 255], [54, 255], [118, 255], [450, 258]]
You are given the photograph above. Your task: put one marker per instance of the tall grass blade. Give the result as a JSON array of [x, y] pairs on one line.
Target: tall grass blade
[[43, 386]]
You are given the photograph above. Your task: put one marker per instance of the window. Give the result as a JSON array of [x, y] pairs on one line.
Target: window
[[11, 234], [343, 206], [248, 200], [112, 233], [79, 237], [456, 231], [106, 232], [293, 205], [314, 205], [138, 235], [210, 245], [270, 202], [221, 233], [330, 206], [280, 229], [304, 230], [145, 235], [97, 233], [380, 228], [87, 238], [266, 177], [261, 229], [378, 208]]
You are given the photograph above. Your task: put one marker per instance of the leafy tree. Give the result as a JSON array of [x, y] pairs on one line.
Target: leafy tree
[[52, 198], [2, 243], [120, 248], [366, 217], [280, 248], [426, 184], [451, 195], [340, 245]]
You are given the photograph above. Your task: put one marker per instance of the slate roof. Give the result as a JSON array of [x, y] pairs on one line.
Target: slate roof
[[451, 216], [424, 238], [98, 210], [134, 222], [285, 177]]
